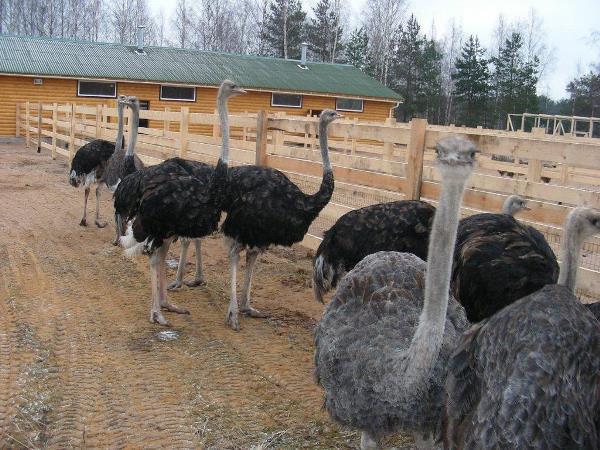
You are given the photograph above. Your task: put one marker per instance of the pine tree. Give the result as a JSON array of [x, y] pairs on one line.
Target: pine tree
[[516, 79], [325, 32], [285, 28], [357, 51], [472, 84]]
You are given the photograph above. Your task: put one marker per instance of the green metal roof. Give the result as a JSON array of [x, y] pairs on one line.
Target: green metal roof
[[81, 59]]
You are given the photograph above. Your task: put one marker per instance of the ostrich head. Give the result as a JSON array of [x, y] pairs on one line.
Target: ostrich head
[[514, 204], [455, 157], [230, 89], [329, 115], [583, 222], [131, 101]]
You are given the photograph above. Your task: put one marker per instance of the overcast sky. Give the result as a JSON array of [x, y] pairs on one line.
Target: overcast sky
[[568, 26]]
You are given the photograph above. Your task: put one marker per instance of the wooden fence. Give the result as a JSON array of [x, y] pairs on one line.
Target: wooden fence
[[373, 162]]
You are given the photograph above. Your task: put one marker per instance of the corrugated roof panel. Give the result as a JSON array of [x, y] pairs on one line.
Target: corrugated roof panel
[[59, 57]]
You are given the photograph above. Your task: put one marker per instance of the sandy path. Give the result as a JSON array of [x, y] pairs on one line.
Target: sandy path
[[81, 366]]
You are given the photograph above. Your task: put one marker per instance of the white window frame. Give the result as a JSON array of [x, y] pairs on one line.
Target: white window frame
[[286, 106], [79, 94], [160, 93], [362, 104]]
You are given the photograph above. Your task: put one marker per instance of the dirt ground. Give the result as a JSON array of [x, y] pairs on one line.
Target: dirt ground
[[81, 365]]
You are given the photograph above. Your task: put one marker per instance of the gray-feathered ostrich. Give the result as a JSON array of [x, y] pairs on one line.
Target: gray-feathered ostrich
[[174, 204], [499, 260], [124, 161], [529, 376], [264, 208], [89, 164], [401, 226], [383, 343]]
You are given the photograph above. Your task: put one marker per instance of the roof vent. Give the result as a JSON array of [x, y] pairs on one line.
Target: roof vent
[[140, 40], [302, 65]]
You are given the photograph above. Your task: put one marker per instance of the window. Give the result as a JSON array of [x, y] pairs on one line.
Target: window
[[179, 93], [286, 100], [349, 104], [96, 89], [144, 106]]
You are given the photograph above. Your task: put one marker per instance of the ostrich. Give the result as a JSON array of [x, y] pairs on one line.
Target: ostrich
[[175, 204], [498, 260], [384, 340], [402, 226], [265, 208], [89, 163], [529, 376], [123, 162]]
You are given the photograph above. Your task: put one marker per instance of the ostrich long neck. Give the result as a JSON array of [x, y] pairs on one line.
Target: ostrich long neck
[[428, 338], [224, 119], [324, 147], [507, 207], [133, 129], [319, 199], [119, 142], [570, 249]]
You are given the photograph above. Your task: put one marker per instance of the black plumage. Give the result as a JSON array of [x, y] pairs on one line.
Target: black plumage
[[594, 308], [497, 261], [402, 226], [527, 378]]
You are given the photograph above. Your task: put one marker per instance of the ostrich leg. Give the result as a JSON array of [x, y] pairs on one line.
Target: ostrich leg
[[185, 243], [368, 442], [162, 281], [97, 219], [232, 318], [118, 228], [199, 277], [86, 194], [156, 315], [245, 308]]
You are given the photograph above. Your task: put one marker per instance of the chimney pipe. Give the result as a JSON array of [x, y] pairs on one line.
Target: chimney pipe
[[304, 47], [140, 39]]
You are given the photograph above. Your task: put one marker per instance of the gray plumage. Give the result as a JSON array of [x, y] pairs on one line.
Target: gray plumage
[[383, 343], [529, 377]]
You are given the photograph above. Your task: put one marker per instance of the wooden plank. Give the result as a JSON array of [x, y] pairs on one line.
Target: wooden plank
[[54, 116], [27, 126], [183, 131], [39, 127], [18, 121], [72, 134], [414, 168], [262, 123]]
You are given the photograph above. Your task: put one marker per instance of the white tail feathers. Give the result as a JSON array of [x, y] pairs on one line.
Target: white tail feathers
[[132, 247], [322, 276]]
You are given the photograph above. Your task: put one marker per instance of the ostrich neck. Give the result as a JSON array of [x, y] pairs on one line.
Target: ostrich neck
[[133, 130], [324, 147], [119, 142], [507, 209], [428, 338], [571, 248], [224, 119]]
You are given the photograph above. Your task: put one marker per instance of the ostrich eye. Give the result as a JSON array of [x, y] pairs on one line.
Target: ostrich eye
[[596, 222], [472, 154]]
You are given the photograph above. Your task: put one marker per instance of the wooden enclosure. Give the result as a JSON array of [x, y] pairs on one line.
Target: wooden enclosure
[[373, 162]]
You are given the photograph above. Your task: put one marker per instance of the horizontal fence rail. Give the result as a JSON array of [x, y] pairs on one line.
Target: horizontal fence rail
[[372, 162]]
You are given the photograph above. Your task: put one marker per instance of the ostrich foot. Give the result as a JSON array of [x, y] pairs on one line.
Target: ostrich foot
[[251, 312], [83, 223], [232, 321], [115, 242], [157, 317], [172, 308], [174, 285], [100, 224], [195, 282]]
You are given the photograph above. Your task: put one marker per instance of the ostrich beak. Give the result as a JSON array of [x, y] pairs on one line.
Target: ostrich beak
[[240, 91], [339, 116]]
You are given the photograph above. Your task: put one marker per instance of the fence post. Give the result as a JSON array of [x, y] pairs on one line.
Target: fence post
[[534, 166], [261, 138], [98, 121], [104, 120], [27, 130], [39, 128], [414, 159], [388, 147], [18, 121], [72, 133], [216, 130], [166, 123], [183, 131], [54, 118], [353, 149]]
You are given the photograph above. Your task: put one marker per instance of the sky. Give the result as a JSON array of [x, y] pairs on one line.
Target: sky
[[568, 27]]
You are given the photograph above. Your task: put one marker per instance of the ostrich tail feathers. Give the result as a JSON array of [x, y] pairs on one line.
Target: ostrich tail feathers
[[128, 241], [135, 250], [322, 277]]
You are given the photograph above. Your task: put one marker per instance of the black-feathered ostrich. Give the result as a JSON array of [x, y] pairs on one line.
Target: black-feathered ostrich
[[124, 161], [497, 261], [264, 208], [529, 376], [401, 226], [89, 164], [174, 204], [383, 343]]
